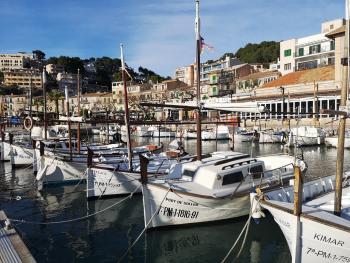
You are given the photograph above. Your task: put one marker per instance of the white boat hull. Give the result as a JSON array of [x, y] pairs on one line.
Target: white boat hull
[[319, 241], [102, 182], [333, 142], [52, 170], [270, 138], [17, 154], [179, 209], [163, 134]]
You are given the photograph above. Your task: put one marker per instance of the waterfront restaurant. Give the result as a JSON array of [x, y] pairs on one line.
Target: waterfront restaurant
[[304, 92]]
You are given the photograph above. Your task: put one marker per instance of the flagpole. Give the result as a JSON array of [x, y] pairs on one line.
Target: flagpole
[[78, 102], [126, 106], [198, 64], [44, 95]]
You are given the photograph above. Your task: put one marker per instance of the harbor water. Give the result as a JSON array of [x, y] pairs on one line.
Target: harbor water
[[106, 236]]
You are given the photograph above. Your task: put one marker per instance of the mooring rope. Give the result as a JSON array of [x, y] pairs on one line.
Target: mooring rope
[[246, 229], [74, 219], [144, 230]]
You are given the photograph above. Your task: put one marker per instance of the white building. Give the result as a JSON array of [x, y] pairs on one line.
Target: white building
[[310, 51], [15, 61], [214, 66], [186, 74]]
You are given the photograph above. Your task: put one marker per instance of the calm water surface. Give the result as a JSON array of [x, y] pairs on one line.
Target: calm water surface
[[106, 236]]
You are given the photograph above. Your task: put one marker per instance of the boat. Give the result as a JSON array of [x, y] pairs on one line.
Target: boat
[[316, 235], [163, 132], [272, 137], [306, 136], [314, 216], [117, 179], [219, 133], [332, 141], [215, 188], [65, 168], [246, 136]]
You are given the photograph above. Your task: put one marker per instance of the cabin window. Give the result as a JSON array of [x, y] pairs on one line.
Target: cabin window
[[188, 173], [257, 172], [232, 178]]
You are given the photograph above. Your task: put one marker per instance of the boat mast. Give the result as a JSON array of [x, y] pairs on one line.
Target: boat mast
[[68, 120], [78, 98], [342, 122], [198, 67], [126, 106], [44, 95]]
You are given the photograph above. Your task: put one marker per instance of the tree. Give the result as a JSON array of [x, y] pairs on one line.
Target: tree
[[38, 101], [1, 77], [56, 96], [227, 54], [38, 55], [264, 52]]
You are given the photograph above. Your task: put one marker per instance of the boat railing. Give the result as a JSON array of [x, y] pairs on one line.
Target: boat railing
[[273, 175]]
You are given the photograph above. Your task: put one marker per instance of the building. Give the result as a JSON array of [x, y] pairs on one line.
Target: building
[[186, 74], [213, 66], [12, 105], [67, 80], [54, 69], [23, 78], [310, 51], [303, 92], [256, 80], [19, 60], [222, 82], [135, 91]]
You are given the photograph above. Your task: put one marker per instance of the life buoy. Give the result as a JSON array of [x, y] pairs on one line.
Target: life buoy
[[28, 123]]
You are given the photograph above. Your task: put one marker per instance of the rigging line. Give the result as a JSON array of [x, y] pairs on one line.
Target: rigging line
[[245, 227], [143, 231], [75, 219]]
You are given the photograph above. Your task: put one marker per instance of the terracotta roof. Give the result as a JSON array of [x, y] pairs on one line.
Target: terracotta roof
[[336, 32], [303, 76], [259, 75]]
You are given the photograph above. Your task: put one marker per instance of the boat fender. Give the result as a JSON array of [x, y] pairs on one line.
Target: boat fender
[[41, 173], [257, 212], [28, 123]]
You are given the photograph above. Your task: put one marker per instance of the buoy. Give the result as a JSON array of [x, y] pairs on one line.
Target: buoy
[[28, 123]]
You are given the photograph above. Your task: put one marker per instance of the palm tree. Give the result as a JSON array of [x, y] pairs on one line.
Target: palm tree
[[38, 101], [56, 95]]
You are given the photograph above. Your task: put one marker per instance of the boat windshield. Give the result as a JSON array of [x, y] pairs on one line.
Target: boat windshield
[[188, 174]]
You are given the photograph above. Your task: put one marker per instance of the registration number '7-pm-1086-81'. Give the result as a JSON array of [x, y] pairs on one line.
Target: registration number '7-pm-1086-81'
[[174, 212]]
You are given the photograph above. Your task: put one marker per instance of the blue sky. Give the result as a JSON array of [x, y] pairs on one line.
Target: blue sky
[[157, 34]]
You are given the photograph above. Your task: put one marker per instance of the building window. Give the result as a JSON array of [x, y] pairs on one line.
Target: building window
[[287, 52], [301, 51], [288, 66], [315, 49], [332, 45], [331, 61], [307, 65]]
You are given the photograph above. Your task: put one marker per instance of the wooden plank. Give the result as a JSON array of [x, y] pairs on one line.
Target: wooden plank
[[17, 243]]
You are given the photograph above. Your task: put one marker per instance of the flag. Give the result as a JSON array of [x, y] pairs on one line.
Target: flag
[[205, 45]]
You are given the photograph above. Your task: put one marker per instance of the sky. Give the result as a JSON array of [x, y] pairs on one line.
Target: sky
[[157, 34]]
